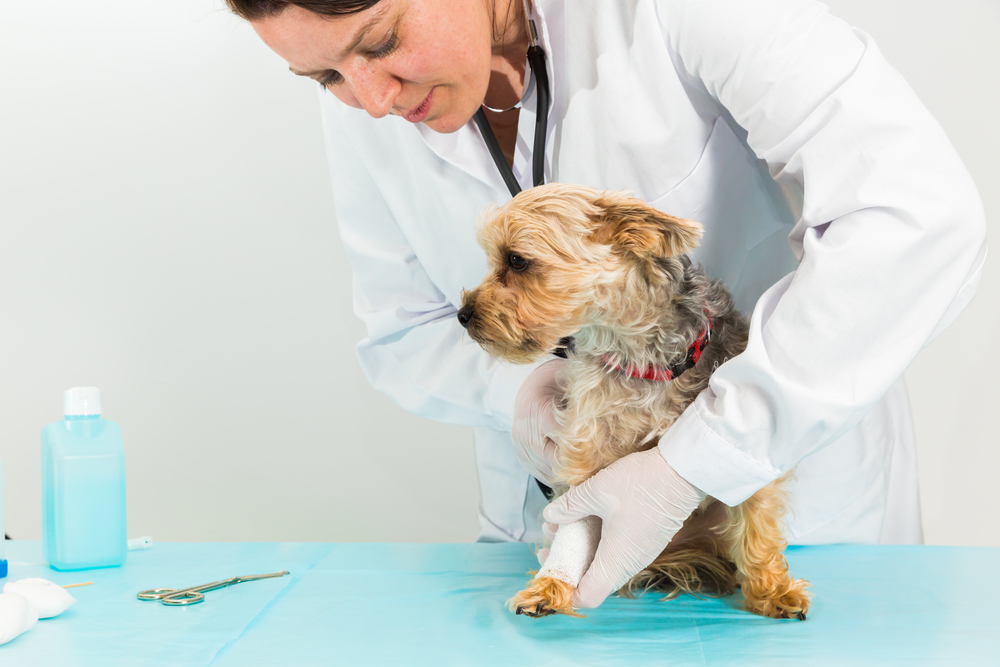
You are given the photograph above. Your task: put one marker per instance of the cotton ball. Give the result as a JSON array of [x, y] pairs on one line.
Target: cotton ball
[[16, 616], [46, 598]]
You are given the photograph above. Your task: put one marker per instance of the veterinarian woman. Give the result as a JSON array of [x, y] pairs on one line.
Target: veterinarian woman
[[835, 209]]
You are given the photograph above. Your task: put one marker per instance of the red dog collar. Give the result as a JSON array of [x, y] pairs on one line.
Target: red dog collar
[[659, 373]]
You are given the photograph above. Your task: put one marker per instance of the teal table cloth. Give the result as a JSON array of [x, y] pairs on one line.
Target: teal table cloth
[[444, 604]]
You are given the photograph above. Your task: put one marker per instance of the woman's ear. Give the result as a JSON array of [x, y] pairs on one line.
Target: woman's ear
[[631, 225]]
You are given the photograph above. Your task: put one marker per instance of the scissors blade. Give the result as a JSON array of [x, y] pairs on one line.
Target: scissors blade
[[255, 577]]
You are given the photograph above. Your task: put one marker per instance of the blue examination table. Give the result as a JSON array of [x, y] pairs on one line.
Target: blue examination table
[[443, 604]]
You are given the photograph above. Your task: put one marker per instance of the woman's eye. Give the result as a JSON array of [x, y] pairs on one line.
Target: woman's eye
[[517, 263], [334, 78], [331, 79], [387, 47]]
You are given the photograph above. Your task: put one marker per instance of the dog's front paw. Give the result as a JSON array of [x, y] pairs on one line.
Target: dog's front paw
[[543, 597], [791, 603]]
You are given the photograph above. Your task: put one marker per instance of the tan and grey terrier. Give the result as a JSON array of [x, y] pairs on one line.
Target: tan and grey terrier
[[648, 330]]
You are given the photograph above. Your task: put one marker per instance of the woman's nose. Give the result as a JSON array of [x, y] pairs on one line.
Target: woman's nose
[[376, 92]]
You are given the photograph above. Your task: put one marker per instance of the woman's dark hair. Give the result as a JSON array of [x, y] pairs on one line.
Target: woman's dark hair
[[254, 10]]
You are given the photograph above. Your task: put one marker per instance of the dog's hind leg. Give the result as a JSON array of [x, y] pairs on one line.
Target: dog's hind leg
[[695, 562], [756, 545]]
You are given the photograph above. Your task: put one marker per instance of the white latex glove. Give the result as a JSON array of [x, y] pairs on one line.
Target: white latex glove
[[642, 503], [549, 531], [533, 424]]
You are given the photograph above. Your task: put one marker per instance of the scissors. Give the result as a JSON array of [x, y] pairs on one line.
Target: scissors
[[180, 597]]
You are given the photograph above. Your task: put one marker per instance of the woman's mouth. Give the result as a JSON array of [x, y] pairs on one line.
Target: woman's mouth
[[422, 111]]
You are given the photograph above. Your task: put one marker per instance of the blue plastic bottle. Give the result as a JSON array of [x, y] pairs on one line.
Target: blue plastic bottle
[[83, 486], [3, 558]]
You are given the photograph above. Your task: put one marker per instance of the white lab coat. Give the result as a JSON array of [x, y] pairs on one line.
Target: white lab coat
[[835, 209]]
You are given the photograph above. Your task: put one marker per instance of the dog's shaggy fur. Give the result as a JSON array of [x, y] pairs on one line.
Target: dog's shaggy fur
[[612, 272]]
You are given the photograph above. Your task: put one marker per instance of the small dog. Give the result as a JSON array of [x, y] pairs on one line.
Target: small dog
[[648, 330]]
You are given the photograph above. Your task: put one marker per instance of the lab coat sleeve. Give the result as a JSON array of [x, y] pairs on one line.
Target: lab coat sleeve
[[416, 353], [891, 237]]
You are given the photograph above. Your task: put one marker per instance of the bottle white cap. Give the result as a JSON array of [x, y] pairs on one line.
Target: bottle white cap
[[80, 401]]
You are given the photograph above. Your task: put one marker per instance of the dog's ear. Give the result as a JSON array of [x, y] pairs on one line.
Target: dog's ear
[[632, 225]]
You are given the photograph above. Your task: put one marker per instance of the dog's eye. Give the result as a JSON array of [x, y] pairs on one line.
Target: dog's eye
[[516, 262]]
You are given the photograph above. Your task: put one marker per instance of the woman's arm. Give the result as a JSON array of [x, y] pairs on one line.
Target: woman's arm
[[891, 237], [416, 352]]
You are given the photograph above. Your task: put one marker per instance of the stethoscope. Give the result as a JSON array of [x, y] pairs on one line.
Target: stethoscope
[[536, 60]]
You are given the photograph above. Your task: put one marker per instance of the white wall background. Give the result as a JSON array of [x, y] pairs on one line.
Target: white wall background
[[166, 234]]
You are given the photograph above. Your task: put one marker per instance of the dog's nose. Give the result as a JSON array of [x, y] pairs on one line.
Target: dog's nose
[[465, 315]]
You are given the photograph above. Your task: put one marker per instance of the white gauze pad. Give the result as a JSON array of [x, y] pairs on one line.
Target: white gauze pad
[[16, 616], [46, 598], [572, 550]]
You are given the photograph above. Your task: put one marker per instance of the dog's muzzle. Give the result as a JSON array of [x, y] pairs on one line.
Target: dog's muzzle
[[465, 315]]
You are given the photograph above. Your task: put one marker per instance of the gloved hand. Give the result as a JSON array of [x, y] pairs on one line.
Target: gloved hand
[[533, 424], [549, 531], [642, 503]]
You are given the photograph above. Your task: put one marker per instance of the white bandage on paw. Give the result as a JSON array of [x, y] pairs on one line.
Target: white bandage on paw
[[572, 550]]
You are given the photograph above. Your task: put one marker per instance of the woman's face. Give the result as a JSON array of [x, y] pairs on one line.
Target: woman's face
[[425, 60]]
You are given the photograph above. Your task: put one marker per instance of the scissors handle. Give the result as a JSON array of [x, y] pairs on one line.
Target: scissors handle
[[155, 593], [182, 597]]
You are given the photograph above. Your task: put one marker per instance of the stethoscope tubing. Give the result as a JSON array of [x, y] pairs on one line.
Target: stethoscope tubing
[[536, 56], [536, 59]]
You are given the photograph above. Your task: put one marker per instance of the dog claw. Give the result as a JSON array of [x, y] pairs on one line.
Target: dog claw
[[801, 616], [539, 611]]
